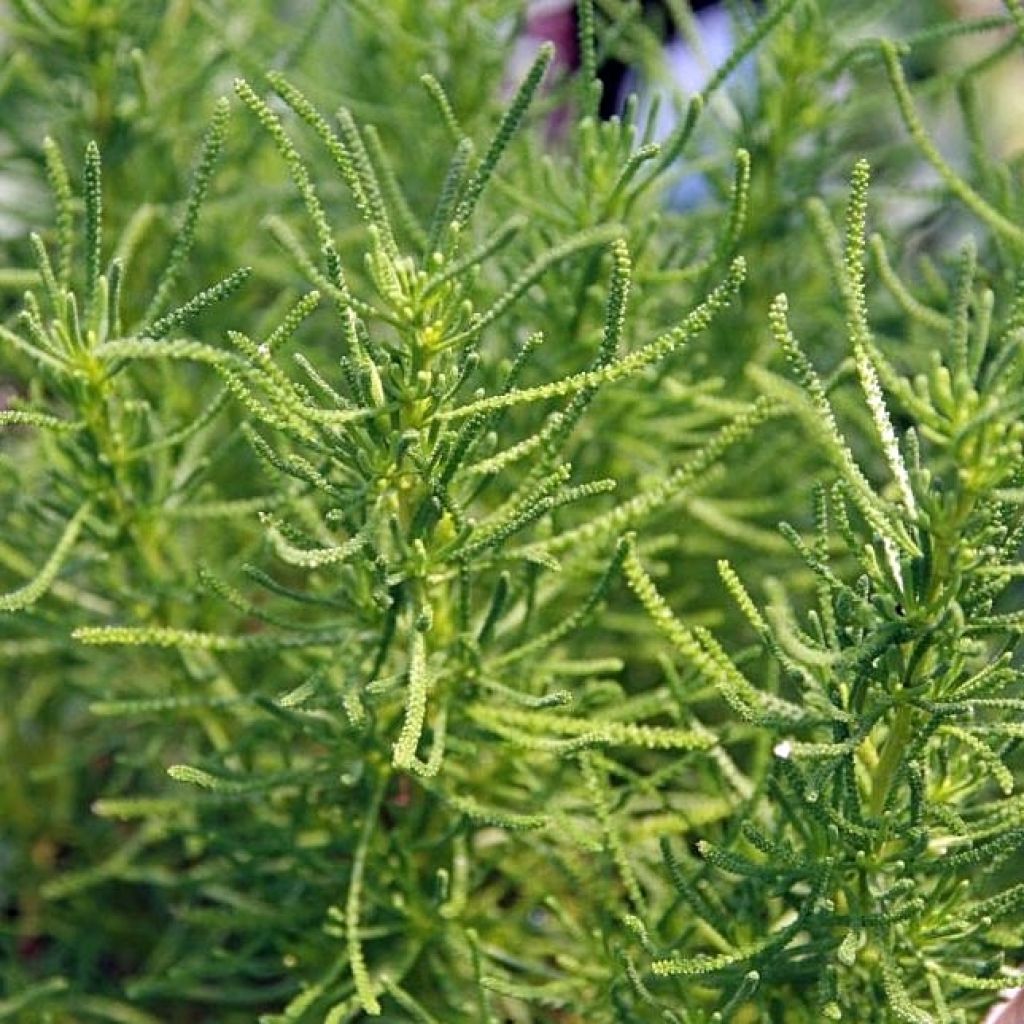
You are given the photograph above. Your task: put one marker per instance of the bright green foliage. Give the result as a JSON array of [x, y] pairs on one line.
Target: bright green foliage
[[862, 876], [442, 582]]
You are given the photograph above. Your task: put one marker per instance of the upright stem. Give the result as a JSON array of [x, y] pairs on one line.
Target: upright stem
[[889, 762]]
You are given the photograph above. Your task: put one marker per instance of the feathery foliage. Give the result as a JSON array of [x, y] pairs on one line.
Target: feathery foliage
[[448, 578]]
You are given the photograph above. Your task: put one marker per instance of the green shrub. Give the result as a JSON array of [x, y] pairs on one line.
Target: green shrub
[[440, 583]]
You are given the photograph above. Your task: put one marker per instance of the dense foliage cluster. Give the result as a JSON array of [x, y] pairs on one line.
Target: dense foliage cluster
[[447, 577]]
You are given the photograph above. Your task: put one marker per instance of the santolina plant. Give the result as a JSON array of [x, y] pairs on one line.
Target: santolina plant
[[463, 587]]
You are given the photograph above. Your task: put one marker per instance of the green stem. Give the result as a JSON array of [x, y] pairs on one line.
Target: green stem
[[99, 414], [365, 987], [889, 762]]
